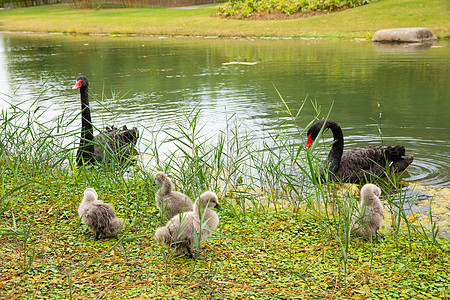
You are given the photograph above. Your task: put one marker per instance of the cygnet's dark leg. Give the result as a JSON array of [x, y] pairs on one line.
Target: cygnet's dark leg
[[190, 252]]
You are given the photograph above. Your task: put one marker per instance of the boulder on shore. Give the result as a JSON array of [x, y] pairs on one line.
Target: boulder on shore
[[404, 35]]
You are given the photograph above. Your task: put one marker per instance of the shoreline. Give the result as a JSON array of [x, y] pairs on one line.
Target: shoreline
[[175, 36]]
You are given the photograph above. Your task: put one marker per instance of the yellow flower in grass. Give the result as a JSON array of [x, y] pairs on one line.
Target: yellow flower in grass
[[413, 217]]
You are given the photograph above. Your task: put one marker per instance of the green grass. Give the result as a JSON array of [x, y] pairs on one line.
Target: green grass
[[279, 236], [360, 22]]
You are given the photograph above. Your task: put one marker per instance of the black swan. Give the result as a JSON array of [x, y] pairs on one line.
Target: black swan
[[98, 216], [184, 231], [112, 145], [360, 164], [371, 212]]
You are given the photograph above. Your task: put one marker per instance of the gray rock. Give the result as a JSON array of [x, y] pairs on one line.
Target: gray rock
[[404, 35]]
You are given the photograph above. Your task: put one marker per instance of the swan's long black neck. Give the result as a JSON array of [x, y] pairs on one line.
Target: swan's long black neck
[[86, 124], [335, 155], [86, 149]]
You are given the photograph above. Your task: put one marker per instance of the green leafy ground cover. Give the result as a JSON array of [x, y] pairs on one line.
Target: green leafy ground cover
[[265, 255], [359, 22], [278, 237]]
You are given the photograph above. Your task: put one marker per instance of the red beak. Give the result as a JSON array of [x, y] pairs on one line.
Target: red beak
[[309, 142], [77, 85]]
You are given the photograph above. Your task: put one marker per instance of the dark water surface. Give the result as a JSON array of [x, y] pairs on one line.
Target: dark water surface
[[153, 78]]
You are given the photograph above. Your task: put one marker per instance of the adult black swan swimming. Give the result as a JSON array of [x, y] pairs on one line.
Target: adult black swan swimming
[[113, 145], [360, 164]]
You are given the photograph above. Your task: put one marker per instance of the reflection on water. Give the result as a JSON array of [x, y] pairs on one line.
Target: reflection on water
[[151, 79], [402, 47]]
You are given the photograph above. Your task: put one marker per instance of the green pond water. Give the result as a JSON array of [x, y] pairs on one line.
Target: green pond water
[[152, 79]]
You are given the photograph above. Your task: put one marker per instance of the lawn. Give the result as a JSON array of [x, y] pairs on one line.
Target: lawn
[[359, 22]]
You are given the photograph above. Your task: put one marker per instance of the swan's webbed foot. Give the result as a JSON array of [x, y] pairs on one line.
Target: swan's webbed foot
[[200, 257], [94, 238], [195, 257], [377, 237]]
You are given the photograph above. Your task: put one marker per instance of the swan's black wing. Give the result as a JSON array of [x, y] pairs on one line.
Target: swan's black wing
[[116, 143], [360, 164], [370, 162], [398, 162], [123, 137]]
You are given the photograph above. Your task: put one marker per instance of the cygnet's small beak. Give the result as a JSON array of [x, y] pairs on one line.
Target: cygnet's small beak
[[218, 206]]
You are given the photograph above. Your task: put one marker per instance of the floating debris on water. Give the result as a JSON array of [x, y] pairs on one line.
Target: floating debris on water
[[240, 63]]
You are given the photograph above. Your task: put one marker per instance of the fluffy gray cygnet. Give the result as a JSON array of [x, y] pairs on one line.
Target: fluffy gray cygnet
[[169, 201], [370, 212], [98, 216], [182, 231]]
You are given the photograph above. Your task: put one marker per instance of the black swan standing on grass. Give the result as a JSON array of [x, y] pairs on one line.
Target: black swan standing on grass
[[112, 145], [360, 164]]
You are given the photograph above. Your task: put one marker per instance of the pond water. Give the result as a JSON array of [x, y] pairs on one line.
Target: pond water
[[153, 78]]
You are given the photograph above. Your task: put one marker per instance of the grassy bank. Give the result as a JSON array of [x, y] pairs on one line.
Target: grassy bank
[[360, 22], [279, 236]]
